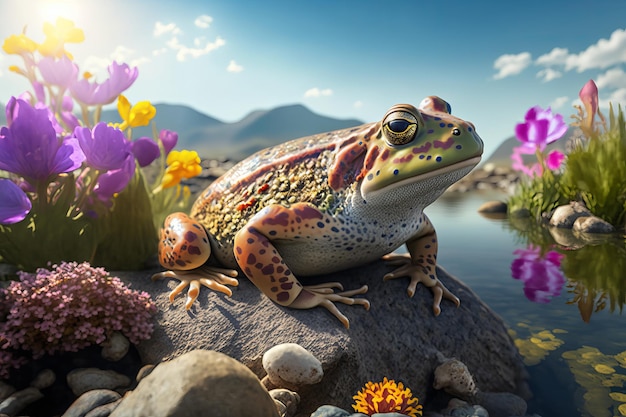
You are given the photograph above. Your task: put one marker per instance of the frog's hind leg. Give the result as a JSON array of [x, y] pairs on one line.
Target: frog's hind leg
[[264, 266]]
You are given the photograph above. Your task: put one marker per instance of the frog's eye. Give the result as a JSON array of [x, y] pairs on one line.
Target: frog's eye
[[400, 128], [456, 132]]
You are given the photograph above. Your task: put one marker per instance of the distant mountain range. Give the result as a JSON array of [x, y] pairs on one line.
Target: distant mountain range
[[213, 138]]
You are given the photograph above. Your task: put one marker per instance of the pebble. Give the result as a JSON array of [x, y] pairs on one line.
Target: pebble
[[592, 224], [289, 365], [44, 379], [91, 401], [459, 408], [115, 347], [288, 399], [566, 215], [493, 207], [5, 390], [19, 400], [453, 377], [82, 380], [501, 404], [144, 372]]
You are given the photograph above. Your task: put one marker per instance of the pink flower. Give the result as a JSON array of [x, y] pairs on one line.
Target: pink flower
[[540, 128], [589, 97], [554, 160], [541, 273]]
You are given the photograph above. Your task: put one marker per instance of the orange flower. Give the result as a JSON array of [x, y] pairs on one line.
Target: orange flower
[[386, 397], [181, 164]]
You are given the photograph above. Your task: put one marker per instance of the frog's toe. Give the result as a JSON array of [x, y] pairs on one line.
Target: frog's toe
[[214, 278], [323, 295]]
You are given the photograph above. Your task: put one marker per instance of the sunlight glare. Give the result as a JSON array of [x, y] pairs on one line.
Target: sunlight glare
[[50, 10]]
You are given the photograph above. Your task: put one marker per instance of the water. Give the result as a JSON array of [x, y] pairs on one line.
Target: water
[[575, 355]]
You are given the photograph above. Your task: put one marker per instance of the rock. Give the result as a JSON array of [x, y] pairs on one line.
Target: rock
[[453, 377], [115, 347], [104, 410], [592, 224], [565, 216], [330, 411], [520, 213], [291, 366], [501, 404], [144, 372], [493, 207], [5, 390], [200, 382], [380, 342], [19, 400], [91, 401], [288, 399], [86, 379], [44, 379]]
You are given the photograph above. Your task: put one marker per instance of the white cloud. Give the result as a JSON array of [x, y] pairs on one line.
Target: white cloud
[[203, 48], [233, 66], [613, 78], [559, 102], [162, 29], [358, 104], [548, 74], [316, 92], [617, 97], [511, 64], [98, 66], [203, 21], [557, 56], [602, 54]]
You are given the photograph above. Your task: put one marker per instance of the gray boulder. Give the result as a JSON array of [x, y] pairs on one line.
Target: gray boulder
[[398, 338], [198, 383], [566, 215], [593, 224]]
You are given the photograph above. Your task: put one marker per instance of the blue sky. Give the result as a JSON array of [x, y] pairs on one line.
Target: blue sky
[[347, 59]]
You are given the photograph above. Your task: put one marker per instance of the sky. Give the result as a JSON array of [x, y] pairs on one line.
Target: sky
[[491, 60]]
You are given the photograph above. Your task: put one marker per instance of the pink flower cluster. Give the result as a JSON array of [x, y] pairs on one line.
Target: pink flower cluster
[[68, 308]]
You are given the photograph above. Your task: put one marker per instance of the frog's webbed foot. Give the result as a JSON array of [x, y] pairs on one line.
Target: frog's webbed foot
[[419, 273], [211, 277], [324, 295]]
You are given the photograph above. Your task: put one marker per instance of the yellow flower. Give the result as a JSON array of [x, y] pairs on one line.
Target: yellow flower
[[58, 35], [19, 45], [134, 116], [386, 397], [180, 164]]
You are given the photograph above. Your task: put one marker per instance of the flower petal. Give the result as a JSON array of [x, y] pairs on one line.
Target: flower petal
[[145, 150], [115, 181], [168, 139], [14, 204]]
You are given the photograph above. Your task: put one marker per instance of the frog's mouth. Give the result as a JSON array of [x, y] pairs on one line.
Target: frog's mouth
[[436, 181]]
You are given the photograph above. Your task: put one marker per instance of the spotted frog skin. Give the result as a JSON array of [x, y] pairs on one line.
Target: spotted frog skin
[[322, 204]]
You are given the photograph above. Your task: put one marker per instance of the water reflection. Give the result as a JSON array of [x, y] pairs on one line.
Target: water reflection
[[593, 267]]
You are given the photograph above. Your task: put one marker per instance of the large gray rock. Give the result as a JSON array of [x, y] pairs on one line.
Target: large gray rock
[[198, 383], [566, 215], [398, 338]]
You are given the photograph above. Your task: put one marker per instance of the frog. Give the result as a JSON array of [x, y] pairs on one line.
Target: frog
[[325, 203]]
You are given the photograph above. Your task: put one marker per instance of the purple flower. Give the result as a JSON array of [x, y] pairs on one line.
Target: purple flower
[[145, 150], [168, 139], [14, 204], [541, 273], [29, 145], [540, 128], [113, 182], [60, 72], [105, 147], [121, 76]]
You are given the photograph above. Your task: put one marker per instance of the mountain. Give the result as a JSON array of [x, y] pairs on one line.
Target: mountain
[[213, 138]]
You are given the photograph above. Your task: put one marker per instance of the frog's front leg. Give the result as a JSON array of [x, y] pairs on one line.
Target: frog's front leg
[[421, 265], [184, 249], [264, 266]]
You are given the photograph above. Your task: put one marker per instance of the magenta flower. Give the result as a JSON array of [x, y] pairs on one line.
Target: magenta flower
[[168, 139], [14, 204], [589, 97], [30, 148], [60, 72], [105, 147], [540, 128], [145, 150], [541, 273], [121, 77], [553, 161]]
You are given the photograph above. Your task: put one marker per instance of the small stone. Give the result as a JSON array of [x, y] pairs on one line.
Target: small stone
[[19, 400], [288, 398], [289, 365], [44, 379], [565, 216], [460, 408], [330, 411], [115, 347], [90, 401], [520, 213], [144, 372], [5, 390], [592, 224], [282, 408], [104, 410], [493, 207], [501, 404], [86, 379], [453, 377]]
